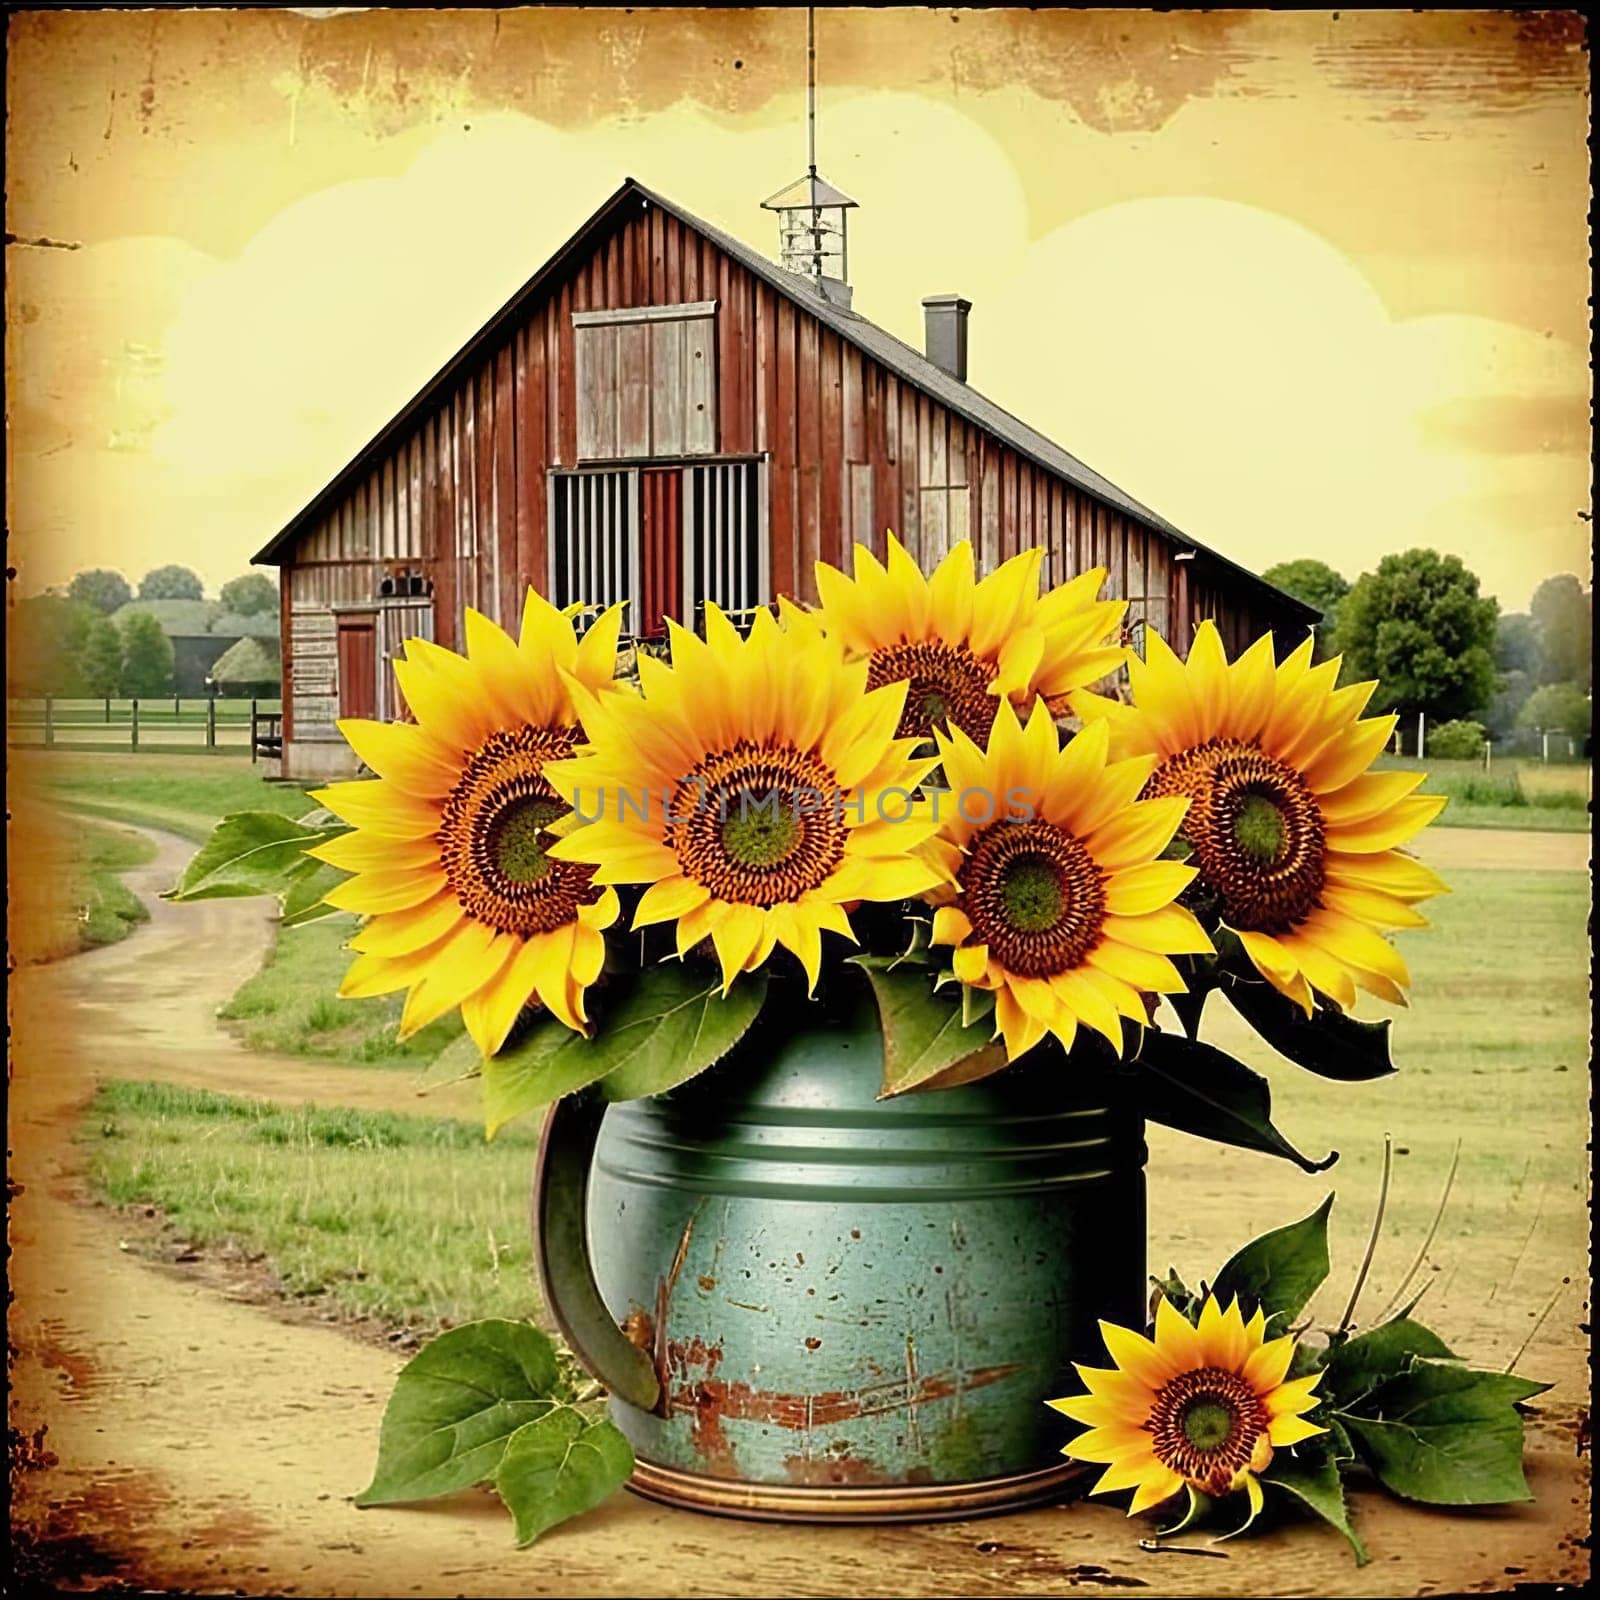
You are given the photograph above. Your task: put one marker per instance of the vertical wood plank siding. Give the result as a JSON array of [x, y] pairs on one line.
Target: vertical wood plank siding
[[852, 450]]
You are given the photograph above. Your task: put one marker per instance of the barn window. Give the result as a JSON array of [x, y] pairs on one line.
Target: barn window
[[646, 381], [594, 537], [663, 538]]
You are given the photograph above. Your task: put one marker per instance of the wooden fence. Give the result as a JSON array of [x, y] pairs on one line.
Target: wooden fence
[[198, 726]]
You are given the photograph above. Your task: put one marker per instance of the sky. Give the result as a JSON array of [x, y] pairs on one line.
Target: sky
[[1304, 283]]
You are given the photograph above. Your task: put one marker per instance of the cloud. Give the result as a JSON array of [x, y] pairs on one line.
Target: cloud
[[1228, 366]]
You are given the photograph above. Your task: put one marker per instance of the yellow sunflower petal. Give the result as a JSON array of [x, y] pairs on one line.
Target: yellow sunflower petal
[[1291, 1430]]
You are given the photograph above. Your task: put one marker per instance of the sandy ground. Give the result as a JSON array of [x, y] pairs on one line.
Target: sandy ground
[[193, 1441]]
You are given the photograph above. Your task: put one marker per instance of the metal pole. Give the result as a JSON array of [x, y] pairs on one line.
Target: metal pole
[[811, 92]]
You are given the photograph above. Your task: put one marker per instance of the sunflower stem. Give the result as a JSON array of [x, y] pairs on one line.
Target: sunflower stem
[[1372, 1238], [1427, 1244], [1549, 1306]]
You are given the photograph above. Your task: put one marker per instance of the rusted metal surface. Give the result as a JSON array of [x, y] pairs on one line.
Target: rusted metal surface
[[844, 1292]]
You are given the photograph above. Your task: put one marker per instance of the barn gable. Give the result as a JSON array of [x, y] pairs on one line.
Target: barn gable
[[661, 415]]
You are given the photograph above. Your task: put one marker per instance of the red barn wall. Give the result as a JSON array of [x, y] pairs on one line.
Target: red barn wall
[[461, 496]]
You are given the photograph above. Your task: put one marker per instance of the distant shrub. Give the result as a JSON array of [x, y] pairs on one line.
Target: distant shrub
[[1456, 741]]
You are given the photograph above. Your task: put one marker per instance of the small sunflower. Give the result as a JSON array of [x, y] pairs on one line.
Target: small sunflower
[[1056, 900], [962, 646], [756, 786], [1204, 1406], [1294, 837], [463, 903]]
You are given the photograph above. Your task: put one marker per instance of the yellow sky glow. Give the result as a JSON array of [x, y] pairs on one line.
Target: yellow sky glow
[[1298, 310]]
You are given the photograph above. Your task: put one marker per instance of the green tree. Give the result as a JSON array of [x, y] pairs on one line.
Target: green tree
[[1564, 611], [251, 595], [100, 588], [1558, 708], [1509, 699], [1419, 626], [171, 583], [1516, 643], [48, 631], [101, 660], [1317, 584], [146, 656]]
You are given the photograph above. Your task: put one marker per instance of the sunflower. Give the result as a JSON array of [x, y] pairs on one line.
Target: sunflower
[[1057, 901], [962, 646], [1204, 1406], [756, 786], [464, 904], [1293, 836]]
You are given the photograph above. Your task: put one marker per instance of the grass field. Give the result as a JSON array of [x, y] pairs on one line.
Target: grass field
[[1517, 793], [292, 1007], [412, 1220], [183, 794], [75, 899], [386, 1215]]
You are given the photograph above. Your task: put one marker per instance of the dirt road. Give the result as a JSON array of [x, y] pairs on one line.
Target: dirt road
[[197, 1443]]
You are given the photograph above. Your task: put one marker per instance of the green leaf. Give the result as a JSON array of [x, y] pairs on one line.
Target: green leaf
[[558, 1467], [1200, 974], [1314, 1481], [1446, 1434], [454, 1406], [1199, 1089], [1362, 1363], [1282, 1269], [248, 853], [924, 1035], [675, 1024], [1330, 1043], [671, 1022], [303, 895], [1199, 1504]]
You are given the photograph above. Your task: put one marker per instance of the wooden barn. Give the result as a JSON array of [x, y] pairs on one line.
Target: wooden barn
[[663, 415]]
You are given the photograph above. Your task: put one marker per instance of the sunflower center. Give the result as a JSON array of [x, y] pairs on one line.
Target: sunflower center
[[1034, 895], [945, 684], [1206, 1425], [518, 839], [1257, 834], [1031, 891], [760, 836], [494, 836], [1260, 828], [758, 826]]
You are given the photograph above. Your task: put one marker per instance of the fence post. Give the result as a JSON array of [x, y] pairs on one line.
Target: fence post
[[133, 724], [1488, 755], [49, 723], [211, 723], [108, 711], [252, 730], [1545, 738], [177, 710], [1421, 724]]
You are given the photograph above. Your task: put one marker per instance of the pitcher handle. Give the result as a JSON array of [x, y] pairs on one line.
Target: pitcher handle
[[561, 1249]]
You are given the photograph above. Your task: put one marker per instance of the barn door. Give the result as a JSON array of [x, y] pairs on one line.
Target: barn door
[[358, 665], [660, 550]]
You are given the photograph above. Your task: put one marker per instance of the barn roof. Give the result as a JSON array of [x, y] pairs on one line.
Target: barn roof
[[904, 360]]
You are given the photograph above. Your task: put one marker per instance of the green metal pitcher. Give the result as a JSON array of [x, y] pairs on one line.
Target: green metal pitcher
[[810, 1303]]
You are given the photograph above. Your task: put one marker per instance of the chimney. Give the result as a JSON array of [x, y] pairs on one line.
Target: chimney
[[945, 333]]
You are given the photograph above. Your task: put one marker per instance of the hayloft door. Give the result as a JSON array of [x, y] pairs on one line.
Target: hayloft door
[[358, 665], [660, 550]]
